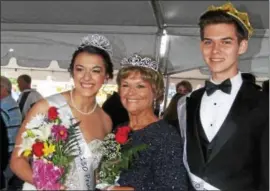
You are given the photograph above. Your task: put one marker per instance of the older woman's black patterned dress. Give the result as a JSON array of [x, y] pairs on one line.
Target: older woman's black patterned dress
[[160, 166]]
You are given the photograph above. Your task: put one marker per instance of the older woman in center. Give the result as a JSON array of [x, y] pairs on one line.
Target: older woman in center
[[160, 166]]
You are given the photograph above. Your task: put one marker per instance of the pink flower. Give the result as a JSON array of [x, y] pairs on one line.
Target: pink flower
[[59, 132], [46, 176]]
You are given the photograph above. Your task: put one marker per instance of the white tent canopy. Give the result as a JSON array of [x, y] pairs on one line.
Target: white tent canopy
[[44, 31]]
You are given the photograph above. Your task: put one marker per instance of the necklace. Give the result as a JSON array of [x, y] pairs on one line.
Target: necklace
[[84, 113]]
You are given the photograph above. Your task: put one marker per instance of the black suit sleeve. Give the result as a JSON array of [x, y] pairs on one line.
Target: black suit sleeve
[[264, 157], [263, 145]]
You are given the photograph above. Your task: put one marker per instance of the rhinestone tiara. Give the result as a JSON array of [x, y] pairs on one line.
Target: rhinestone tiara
[[98, 41], [137, 60]]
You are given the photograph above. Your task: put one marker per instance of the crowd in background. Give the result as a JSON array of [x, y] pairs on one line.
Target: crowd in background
[[12, 115]]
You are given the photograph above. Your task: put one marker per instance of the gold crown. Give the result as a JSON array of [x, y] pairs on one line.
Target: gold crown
[[242, 17]]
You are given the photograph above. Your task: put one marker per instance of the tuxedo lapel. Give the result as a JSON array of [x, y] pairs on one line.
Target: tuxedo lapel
[[238, 111], [194, 151]]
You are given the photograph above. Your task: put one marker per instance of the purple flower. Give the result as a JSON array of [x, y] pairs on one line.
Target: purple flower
[[46, 176], [59, 132]]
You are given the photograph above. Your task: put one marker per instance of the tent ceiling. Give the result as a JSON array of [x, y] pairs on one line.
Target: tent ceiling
[[132, 13], [42, 31], [186, 13], [138, 13]]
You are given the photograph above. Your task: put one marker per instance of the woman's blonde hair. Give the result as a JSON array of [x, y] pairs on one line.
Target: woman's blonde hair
[[155, 78]]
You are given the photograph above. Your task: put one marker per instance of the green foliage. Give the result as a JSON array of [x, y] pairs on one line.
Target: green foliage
[[109, 170], [60, 160], [65, 150], [129, 155], [13, 81]]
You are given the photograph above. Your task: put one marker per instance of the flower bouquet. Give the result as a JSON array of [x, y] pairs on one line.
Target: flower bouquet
[[50, 141], [118, 153]]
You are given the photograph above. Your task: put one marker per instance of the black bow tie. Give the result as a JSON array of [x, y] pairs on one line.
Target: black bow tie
[[225, 86]]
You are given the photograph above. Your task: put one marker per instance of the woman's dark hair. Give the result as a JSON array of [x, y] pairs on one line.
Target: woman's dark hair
[[219, 17], [93, 50]]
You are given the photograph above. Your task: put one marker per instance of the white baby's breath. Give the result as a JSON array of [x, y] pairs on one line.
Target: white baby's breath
[[109, 136], [110, 148]]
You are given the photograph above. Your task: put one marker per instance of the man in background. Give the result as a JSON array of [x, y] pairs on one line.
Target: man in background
[[265, 87], [28, 96], [12, 119], [170, 114], [248, 77], [10, 112], [184, 87]]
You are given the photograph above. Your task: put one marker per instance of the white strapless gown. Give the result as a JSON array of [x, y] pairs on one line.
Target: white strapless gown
[[81, 175]]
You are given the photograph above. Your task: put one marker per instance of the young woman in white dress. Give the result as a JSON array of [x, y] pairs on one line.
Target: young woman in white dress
[[90, 66]]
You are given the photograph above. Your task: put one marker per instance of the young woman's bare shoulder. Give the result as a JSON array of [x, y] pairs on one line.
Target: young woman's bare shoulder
[[107, 120], [41, 106]]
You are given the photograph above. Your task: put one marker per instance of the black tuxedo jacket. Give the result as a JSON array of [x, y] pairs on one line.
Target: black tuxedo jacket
[[239, 159]]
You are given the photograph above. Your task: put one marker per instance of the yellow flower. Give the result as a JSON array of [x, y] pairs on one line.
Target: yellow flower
[[27, 152], [48, 149]]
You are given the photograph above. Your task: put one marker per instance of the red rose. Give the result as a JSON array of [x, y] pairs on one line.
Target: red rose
[[38, 149], [52, 113], [121, 135]]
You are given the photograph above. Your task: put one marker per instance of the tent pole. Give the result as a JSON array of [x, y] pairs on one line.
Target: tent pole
[[158, 14], [166, 75], [161, 57], [160, 25], [167, 84]]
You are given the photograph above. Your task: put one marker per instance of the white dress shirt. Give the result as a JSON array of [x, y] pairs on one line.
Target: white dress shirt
[[215, 108]]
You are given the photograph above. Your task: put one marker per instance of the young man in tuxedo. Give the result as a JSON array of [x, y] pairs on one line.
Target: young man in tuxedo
[[225, 125]]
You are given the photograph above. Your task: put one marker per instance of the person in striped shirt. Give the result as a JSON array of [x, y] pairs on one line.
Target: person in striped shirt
[[10, 112]]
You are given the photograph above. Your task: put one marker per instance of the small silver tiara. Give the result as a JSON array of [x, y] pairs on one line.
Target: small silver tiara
[[98, 41], [137, 60]]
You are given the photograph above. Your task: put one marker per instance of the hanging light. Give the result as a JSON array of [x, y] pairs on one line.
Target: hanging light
[[163, 44]]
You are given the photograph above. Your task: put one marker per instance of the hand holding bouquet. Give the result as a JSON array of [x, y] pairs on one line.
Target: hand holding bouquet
[[118, 153], [50, 140]]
